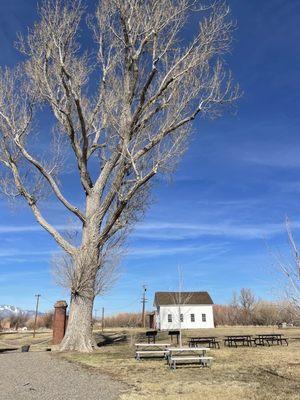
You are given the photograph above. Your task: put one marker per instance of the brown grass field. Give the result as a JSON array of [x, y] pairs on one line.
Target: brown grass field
[[41, 341], [257, 373]]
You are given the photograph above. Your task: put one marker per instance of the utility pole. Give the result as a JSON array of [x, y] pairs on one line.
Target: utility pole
[[102, 320], [36, 312], [144, 300]]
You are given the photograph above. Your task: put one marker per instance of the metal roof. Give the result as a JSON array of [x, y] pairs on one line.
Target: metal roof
[[169, 298]]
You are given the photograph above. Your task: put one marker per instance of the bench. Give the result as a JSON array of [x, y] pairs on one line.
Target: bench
[[211, 341], [241, 340], [271, 339], [159, 349], [276, 340], [152, 353], [204, 361], [284, 340]]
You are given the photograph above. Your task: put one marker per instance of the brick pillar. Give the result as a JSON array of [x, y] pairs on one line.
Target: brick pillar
[[59, 321]]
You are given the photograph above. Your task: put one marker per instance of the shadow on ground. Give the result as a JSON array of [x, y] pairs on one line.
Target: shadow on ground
[[105, 340]]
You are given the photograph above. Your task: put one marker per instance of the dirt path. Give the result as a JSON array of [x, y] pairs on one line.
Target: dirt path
[[36, 375]]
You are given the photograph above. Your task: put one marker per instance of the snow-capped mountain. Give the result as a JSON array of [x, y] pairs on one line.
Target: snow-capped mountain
[[9, 311]]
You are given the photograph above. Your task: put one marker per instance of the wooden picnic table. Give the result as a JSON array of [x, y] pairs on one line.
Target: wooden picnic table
[[188, 354], [242, 340], [273, 338], [152, 349], [210, 340]]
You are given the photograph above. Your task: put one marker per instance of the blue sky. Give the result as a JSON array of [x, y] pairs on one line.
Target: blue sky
[[228, 198]]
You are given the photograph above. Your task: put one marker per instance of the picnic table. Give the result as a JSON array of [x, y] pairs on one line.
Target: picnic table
[[152, 349], [151, 335], [241, 340], [210, 340], [270, 338], [188, 354]]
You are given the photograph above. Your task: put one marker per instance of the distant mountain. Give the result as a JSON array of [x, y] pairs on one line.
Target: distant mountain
[[7, 311]]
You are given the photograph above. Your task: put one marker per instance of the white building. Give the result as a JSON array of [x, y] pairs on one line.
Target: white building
[[185, 310]]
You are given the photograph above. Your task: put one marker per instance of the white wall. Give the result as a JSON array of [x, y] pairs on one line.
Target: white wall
[[162, 322]]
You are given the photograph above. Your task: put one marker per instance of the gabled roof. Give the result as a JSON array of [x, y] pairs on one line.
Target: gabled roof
[[169, 298]]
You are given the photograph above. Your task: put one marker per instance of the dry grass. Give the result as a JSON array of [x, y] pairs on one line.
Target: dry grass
[[261, 373], [41, 341]]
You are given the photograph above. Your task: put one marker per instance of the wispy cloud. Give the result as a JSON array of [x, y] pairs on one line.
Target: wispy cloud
[[272, 153], [32, 228], [17, 252], [179, 231], [159, 251]]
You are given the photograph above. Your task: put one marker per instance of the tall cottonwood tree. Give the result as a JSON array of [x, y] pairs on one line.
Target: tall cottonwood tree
[[123, 105]]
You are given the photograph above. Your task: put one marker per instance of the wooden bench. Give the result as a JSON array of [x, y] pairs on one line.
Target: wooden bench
[[204, 361], [151, 353], [152, 349], [284, 340], [241, 340], [271, 339], [211, 341]]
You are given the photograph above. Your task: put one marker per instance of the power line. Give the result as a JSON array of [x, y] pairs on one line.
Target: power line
[[102, 320], [36, 312], [48, 300], [123, 307], [95, 316], [144, 300]]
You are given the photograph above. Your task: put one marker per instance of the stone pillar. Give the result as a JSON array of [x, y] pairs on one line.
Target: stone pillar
[[59, 321]]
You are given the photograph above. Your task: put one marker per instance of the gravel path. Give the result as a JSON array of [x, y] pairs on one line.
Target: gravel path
[[29, 376]]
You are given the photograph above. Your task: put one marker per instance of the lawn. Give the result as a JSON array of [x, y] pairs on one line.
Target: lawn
[[260, 373]]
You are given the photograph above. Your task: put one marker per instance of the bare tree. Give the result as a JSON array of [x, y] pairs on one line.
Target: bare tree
[[18, 321], [132, 320], [123, 107], [235, 307], [290, 269], [180, 300], [247, 301], [263, 313]]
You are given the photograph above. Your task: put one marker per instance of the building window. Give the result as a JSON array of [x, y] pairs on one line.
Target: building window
[[203, 317], [181, 317], [169, 317], [192, 317]]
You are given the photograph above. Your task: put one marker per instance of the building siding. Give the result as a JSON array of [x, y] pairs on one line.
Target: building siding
[[186, 310]]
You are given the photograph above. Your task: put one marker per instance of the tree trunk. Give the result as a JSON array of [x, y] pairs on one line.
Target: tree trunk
[[79, 335]]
